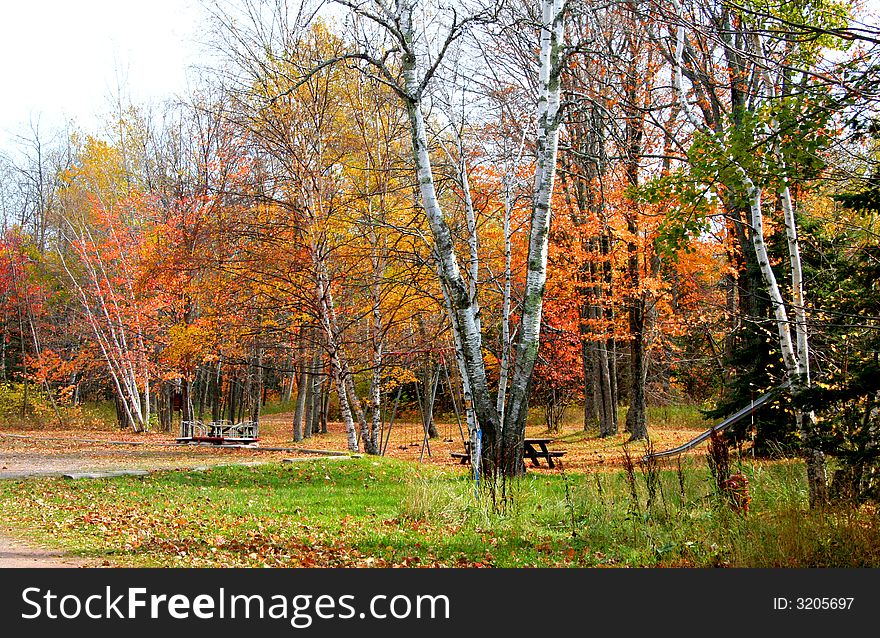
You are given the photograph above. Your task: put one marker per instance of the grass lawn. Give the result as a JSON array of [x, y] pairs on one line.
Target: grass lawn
[[383, 512]]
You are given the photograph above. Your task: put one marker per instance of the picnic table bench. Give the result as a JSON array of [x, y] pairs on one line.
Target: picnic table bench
[[533, 449]]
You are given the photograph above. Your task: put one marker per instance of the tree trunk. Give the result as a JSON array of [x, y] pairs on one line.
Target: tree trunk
[[608, 411], [163, 407], [371, 438], [325, 407], [591, 384], [338, 368], [289, 379], [308, 390], [257, 395], [506, 458], [552, 31], [303, 383], [217, 396], [315, 406], [636, 418], [429, 385], [464, 312]]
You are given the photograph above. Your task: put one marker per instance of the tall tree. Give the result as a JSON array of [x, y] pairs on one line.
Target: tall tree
[[407, 57]]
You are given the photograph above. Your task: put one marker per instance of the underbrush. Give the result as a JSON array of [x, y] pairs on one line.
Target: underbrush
[[42, 414], [668, 517], [31, 408]]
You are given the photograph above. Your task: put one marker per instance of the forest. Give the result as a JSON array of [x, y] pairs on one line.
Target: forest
[[571, 216]]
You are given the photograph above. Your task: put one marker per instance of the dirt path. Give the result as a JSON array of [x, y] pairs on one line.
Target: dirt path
[[15, 553], [32, 457], [30, 465]]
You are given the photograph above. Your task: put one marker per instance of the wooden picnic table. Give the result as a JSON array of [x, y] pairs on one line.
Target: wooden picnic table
[[533, 449], [537, 448], [218, 432]]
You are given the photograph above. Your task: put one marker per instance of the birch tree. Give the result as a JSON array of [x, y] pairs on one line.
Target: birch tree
[[772, 80], [99, 254], [403, 43]]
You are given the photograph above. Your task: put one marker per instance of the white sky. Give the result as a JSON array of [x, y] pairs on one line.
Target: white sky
[[60, 59]]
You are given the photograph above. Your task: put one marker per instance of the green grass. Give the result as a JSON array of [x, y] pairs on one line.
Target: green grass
[[278, 407], [381, 512], [675, 416]]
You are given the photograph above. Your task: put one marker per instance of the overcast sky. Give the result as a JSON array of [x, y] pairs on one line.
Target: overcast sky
[[62, 60]]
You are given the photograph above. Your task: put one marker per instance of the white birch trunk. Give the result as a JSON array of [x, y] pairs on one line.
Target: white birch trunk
[[328, 321], [755, 196], [467, 395], [798, 302], [552, 32], [371, 437], [797, 280], [464, 312], [471, 219], [504, 368], [109, 324], [786, 345]]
